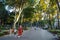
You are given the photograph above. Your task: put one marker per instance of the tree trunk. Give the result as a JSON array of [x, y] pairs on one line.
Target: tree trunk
[[17, 18], [58, 12]]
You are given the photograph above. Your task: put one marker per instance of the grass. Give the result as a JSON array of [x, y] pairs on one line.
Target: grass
[[2, 33], [55, 30]]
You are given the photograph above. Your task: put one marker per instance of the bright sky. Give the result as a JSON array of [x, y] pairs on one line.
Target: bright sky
[[9, 8]]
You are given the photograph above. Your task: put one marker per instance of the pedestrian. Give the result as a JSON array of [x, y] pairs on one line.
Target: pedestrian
[[15, 32], [20, 30], [11, 31]]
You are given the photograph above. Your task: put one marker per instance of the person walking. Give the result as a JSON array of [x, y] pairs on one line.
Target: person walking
[[15, 32], [20, 30], [11, 31]]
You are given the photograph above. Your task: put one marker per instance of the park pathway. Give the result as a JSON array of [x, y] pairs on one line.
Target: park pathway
[[38, 34]]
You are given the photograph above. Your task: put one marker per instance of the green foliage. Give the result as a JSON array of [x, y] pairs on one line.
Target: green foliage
[[20, 2], [1, 34], [28, 12], [3, 14], [4, 33], [1, 6], [55, 31], [10, 18], [43, 22], [15, 2]]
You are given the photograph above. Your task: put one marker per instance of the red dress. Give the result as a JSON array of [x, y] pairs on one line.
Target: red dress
[[20, 30]]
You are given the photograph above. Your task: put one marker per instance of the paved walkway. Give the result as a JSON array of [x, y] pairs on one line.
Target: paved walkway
[[38, 34]]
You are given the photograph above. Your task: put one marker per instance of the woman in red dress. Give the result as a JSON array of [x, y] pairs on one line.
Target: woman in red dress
[[20, 30]]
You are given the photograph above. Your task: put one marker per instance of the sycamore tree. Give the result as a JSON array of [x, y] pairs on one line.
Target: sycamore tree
[[41, 9], [49, 8], [28, 13], [20, 5], [53, 11], [58, 11]]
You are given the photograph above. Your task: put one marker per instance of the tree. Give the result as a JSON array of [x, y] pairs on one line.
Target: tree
[[20, 5], [58, 12], [3, 14], [51, 12]]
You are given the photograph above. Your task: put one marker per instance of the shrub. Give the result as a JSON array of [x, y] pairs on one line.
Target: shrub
[[1, 34], [4, 33]]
